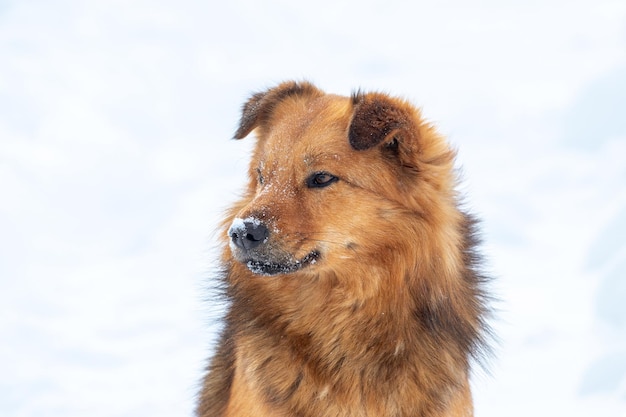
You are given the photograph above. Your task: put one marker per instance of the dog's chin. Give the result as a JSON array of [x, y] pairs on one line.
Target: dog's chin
[[269, 268]]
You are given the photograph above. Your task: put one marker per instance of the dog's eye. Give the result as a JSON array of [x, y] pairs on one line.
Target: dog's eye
[[320, 179], [260, 177]]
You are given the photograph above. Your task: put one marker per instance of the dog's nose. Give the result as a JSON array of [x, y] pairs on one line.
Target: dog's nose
[[248, 235]]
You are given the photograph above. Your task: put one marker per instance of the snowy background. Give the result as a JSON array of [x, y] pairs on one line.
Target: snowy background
[[115, 164]]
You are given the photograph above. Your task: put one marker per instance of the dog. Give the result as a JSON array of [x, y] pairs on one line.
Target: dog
[[351, 270]]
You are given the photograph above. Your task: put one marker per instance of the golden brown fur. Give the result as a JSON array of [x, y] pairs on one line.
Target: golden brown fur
[[349, 267]]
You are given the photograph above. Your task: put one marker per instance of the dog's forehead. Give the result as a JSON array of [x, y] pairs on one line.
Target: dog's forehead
[[309, 129]]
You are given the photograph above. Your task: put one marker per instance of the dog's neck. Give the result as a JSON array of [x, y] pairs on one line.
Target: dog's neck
[[414, 337], [379, 344]]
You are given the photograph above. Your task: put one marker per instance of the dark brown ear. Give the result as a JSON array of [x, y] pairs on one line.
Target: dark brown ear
[[379, 119], [259, 108]]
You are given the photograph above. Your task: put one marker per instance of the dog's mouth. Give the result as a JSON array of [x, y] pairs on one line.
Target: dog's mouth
[[263, 267]]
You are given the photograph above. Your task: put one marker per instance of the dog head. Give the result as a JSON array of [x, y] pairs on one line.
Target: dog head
[[334, 180]]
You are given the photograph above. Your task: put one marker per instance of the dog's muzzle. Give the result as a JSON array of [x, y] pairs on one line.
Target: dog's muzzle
[[249, 242]]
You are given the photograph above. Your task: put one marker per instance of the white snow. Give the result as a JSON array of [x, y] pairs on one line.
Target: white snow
[[240, 224], [116, 164]]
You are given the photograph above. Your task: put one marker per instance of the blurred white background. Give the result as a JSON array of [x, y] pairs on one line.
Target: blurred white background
[[116, 162]]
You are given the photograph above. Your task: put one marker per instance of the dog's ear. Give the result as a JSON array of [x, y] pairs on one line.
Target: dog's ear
[[380, 120], [260, 106]]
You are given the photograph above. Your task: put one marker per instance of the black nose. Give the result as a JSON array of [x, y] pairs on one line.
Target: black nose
[[248, 235]]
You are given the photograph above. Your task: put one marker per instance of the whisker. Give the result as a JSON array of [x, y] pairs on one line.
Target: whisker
[[298, 240]]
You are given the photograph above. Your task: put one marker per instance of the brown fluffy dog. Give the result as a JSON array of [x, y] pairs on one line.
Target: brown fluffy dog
[[349, 268]]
